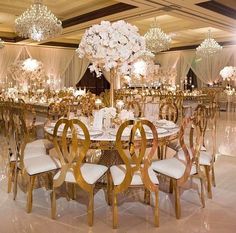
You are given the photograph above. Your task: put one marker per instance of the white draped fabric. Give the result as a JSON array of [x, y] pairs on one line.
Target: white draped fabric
[[168, 60], [185, 63], [75, 71], [55, 60], [208, 69], [8, 55], [63, 64]]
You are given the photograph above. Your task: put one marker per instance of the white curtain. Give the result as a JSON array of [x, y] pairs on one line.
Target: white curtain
[[185, 63], [208, 69], [168, 60], [55, 61], [75, 71], [8, 55]]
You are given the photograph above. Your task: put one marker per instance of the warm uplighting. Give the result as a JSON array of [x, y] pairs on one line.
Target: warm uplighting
[[38, 23]]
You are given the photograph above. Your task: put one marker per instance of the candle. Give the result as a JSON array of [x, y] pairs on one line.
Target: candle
[[120, 105], [98, 102]]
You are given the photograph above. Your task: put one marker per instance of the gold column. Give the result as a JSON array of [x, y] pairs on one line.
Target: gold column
[[112, 78]]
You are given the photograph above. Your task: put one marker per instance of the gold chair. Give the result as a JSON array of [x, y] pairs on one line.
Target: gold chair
[[134, 106], [74, 170], [207, 159], [179, 169], [136, 170], [169, 111], [31, 157]]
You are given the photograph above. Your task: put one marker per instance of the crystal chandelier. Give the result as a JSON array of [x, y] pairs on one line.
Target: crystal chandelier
[[156, 39], [208, 47], [1, 43], [38, 23]]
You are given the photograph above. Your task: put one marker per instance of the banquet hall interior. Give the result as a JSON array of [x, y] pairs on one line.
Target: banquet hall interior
[[117, 116]]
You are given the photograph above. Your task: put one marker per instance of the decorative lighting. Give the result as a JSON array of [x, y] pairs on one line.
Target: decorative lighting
[[1, 43], [156, 39], [30, 65], [38, 23], [208, 47]]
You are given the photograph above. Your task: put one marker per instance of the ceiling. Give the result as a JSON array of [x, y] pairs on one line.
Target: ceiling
[[186, 21]]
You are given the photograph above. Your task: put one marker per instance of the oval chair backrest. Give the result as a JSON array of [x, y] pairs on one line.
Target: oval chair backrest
[[189, 152], [169, 111], [71, 140], [135, 106], [134, 153]]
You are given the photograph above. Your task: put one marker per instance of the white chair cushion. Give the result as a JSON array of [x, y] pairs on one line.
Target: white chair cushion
[[90, 172], [204, 158], [173, 167], [34, 149], [40, 164], [118, 175]]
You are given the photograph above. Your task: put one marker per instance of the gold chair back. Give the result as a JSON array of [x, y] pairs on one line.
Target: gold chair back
[[71, 150], [169, 111], [135, 106], [134, 152]]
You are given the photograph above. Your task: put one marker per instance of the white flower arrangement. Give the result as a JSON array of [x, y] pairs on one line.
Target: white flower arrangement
[[109, 112], [126, 115], [228, 72], [111, 45]]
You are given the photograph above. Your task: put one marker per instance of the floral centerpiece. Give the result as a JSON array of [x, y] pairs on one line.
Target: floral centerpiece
[[228, 72], [111, 46], [87, 103]]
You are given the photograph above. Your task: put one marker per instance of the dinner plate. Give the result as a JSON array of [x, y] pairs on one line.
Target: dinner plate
[[169, 126], [160, 130], [91, 132]]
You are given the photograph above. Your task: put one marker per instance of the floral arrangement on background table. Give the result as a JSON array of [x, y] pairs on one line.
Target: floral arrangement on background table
[[28, 74], [228, 72], [112, 47], [87, 104]]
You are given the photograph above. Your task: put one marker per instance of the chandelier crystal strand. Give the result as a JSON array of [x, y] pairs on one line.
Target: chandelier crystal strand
[[156, 39], [1, 43], [38, 23], [208, 47]]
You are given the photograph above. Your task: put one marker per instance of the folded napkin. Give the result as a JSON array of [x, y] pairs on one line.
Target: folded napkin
[[98, 118], [126, 115]]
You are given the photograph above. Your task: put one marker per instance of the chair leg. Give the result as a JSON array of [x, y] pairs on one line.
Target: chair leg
[[213, 176], [109, 188], [30, 194], [15, 184], [53, 204], [202, 192], [177, 200], [171, 186], [10, 175], [156, 209], [67, 191], [146, 196], [115, 211], [91, 209], [208, 176]]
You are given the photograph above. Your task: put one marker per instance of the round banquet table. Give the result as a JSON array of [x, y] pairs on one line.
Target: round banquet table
[[104, 140]]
